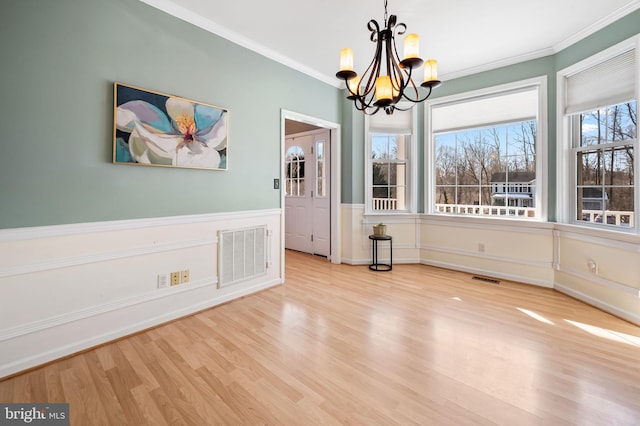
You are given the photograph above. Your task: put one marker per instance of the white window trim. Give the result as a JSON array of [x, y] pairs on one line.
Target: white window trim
[[412, 175], [565, 159], [542, 167]]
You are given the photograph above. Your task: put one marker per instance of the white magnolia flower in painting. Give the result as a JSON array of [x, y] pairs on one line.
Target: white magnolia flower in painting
[[192, 136]]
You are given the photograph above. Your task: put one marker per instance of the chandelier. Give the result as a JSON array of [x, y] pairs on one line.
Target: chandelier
[[387, 79]]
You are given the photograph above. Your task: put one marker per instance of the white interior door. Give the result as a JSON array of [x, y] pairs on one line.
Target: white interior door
[[321, 228], [307, 193]]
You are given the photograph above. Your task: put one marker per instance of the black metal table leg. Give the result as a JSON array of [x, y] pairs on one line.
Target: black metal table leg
[[375, 263]]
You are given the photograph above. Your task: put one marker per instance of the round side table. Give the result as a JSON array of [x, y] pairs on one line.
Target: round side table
[[376, 265]]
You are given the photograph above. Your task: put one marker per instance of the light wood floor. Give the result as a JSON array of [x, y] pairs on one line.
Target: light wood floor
[[339, 344]]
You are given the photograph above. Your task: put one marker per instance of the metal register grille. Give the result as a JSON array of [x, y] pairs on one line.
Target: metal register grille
[[242, 254]]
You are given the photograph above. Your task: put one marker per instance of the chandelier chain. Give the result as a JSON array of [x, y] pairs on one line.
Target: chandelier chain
[[385, 13]]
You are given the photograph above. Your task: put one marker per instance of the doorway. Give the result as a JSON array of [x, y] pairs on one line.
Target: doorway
[[310, 185], [307, 191]]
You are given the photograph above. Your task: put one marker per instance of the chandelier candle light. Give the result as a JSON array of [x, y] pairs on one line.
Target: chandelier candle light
[[373, 91]]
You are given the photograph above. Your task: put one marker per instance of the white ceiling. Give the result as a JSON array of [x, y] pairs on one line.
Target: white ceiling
[[465, 36]]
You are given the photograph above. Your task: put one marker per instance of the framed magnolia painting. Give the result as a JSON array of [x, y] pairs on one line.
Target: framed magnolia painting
[[155, 129]]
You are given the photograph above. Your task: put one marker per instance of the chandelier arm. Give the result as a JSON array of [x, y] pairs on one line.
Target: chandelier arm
[[374, 28], [373, 70], [366, 97], [393, 65], [404, 65], [371, 111], [418, 100], [409, 84], [366, 108], [389, 57]]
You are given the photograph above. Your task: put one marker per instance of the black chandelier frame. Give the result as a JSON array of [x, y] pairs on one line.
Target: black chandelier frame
[[399, 71]]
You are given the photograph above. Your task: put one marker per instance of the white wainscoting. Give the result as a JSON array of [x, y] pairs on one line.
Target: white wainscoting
[[67, 288]]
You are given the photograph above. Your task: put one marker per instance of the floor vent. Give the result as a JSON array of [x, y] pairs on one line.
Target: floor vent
[[486, 279], [242, 254]]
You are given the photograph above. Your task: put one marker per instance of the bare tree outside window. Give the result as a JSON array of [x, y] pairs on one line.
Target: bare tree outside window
[[605, 172], [479, 171]]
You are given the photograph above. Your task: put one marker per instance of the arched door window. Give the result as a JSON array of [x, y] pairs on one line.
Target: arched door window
[[294, 171]]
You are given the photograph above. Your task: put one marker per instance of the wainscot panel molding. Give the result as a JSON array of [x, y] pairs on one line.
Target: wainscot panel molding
[[102, 257], [55, 321], [490, 257], [37, 232], [67, 288], [594, 279]]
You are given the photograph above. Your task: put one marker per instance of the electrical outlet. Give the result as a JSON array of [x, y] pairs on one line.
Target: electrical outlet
[[163, 280], [184, 276], [175, 278], [481, 247]]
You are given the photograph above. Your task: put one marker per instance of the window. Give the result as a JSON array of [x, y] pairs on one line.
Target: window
[[604, 165], [294, 160], [321, 172], [485, 150], [389, 171], [390, 179], [490, 171], [599, 132]]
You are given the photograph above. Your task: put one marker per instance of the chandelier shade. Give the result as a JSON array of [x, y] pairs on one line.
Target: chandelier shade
[[388, 79]]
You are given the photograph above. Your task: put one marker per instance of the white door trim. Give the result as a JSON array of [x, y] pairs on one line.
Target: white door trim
[[336, 224]]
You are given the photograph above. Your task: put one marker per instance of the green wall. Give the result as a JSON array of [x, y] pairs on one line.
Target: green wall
[[59, 62], [352, 152]]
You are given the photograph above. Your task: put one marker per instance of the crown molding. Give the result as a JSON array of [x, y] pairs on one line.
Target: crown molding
[[187, 15], [632, 6], [499, 63]]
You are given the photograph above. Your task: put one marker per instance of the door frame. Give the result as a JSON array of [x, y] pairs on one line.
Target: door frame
[[335, 252]]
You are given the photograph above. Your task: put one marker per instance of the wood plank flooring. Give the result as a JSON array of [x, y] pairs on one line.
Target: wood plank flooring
[[339, 344]]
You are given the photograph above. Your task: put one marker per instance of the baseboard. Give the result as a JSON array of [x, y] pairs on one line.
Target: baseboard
[[613, 310]]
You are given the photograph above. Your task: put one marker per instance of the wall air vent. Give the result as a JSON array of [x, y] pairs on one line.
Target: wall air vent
[[242, 254]]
